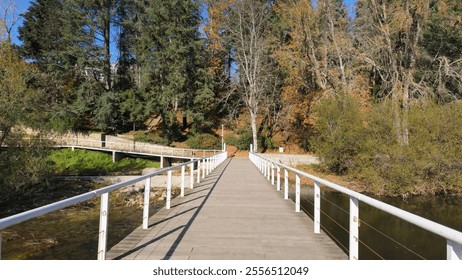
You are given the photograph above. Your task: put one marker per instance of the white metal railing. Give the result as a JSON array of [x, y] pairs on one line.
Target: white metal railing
[[267, 167], [129, 146], [206, 165]]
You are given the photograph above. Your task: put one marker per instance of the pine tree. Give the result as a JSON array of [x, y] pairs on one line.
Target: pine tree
[[170, 60]]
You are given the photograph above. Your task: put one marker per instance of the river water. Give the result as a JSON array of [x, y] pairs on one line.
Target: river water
[[71, 233], [383, 236]]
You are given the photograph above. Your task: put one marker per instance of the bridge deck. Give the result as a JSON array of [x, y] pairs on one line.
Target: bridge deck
[[233, 214]]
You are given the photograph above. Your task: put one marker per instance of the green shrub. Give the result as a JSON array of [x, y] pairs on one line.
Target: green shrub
[[242, 141], [366, 146], [339, 133], [204, 141], [150, 137]]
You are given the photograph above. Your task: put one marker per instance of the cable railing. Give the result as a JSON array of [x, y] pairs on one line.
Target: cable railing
[[204, 167], [272, 171]]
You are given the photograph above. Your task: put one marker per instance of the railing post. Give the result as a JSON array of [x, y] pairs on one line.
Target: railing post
[[268, 172], [204, 167], [264, 167], [354, 228], [286, 184], [317, 207], [147, 195], [169, 189], [278, 181], [297, 193], [453, 250], [103, 216], [191, 175], [183, 168], [272, 174], [198, 171]]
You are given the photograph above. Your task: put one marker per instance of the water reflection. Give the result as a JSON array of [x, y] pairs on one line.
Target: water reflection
[[383, 236]]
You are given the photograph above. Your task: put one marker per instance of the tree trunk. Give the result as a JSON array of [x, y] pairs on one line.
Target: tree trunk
[[253, 121]]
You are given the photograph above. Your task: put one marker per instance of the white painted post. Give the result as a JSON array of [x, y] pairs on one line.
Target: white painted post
[[286, 184], [317, 208], [161, 162], [183, 169], [278, 181], [204, 167], [268, 172], [264, 167], [272, 174], [453, 250], [102, 239], [354, 228], [297, 193], [147, 194], [169, 189], [251, 148], [191, 175], [198, 171]]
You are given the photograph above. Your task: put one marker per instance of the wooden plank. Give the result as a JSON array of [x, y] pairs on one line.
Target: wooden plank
[[234, 213]]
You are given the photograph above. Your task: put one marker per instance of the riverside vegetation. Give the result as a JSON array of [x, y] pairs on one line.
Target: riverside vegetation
[[374, 89]]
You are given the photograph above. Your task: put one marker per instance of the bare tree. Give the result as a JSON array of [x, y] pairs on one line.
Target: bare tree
[[248, 29], [9, 18], [391, 37]]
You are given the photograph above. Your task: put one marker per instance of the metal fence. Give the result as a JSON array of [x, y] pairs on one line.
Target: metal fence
[[203, 167], [272, 171]]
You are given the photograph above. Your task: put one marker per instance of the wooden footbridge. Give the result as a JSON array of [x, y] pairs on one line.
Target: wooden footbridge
[[233, 214], [234, 208]]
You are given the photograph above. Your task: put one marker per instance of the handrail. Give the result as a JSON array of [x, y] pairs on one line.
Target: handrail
[[127, 146], [206, 165], [453, 237]]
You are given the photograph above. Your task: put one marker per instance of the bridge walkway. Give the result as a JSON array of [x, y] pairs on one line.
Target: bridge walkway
[[234, 213]]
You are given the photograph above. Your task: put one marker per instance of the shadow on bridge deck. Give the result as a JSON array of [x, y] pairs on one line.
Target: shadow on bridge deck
[[234, 213]]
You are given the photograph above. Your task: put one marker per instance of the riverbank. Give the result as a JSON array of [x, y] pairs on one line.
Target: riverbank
[[72, 233], [357, 186]]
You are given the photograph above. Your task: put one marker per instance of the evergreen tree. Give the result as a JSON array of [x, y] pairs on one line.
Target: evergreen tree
[[169, 52]]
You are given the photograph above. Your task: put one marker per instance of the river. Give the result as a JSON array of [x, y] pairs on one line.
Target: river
[[383, 236]]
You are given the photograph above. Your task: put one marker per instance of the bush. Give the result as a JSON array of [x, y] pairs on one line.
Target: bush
[[365, 146], [150, 137], [204, 141], [338, 133], [242, 141]]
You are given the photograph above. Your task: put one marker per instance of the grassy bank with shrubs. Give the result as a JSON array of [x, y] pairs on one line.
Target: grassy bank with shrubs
[[83, 162], [363, 145]]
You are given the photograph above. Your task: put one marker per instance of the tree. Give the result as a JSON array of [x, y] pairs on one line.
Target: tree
[[171, 67], [441, 62], [317, 56], [248, 30], [20, 106], [9, 18]]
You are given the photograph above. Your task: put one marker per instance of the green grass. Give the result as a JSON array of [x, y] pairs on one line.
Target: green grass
[[83, 162]]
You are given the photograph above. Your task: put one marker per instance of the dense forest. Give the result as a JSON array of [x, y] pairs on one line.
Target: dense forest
[[373, 88]]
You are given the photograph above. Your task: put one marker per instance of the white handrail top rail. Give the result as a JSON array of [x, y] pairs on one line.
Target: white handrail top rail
[[424, 223], [33, 213]]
